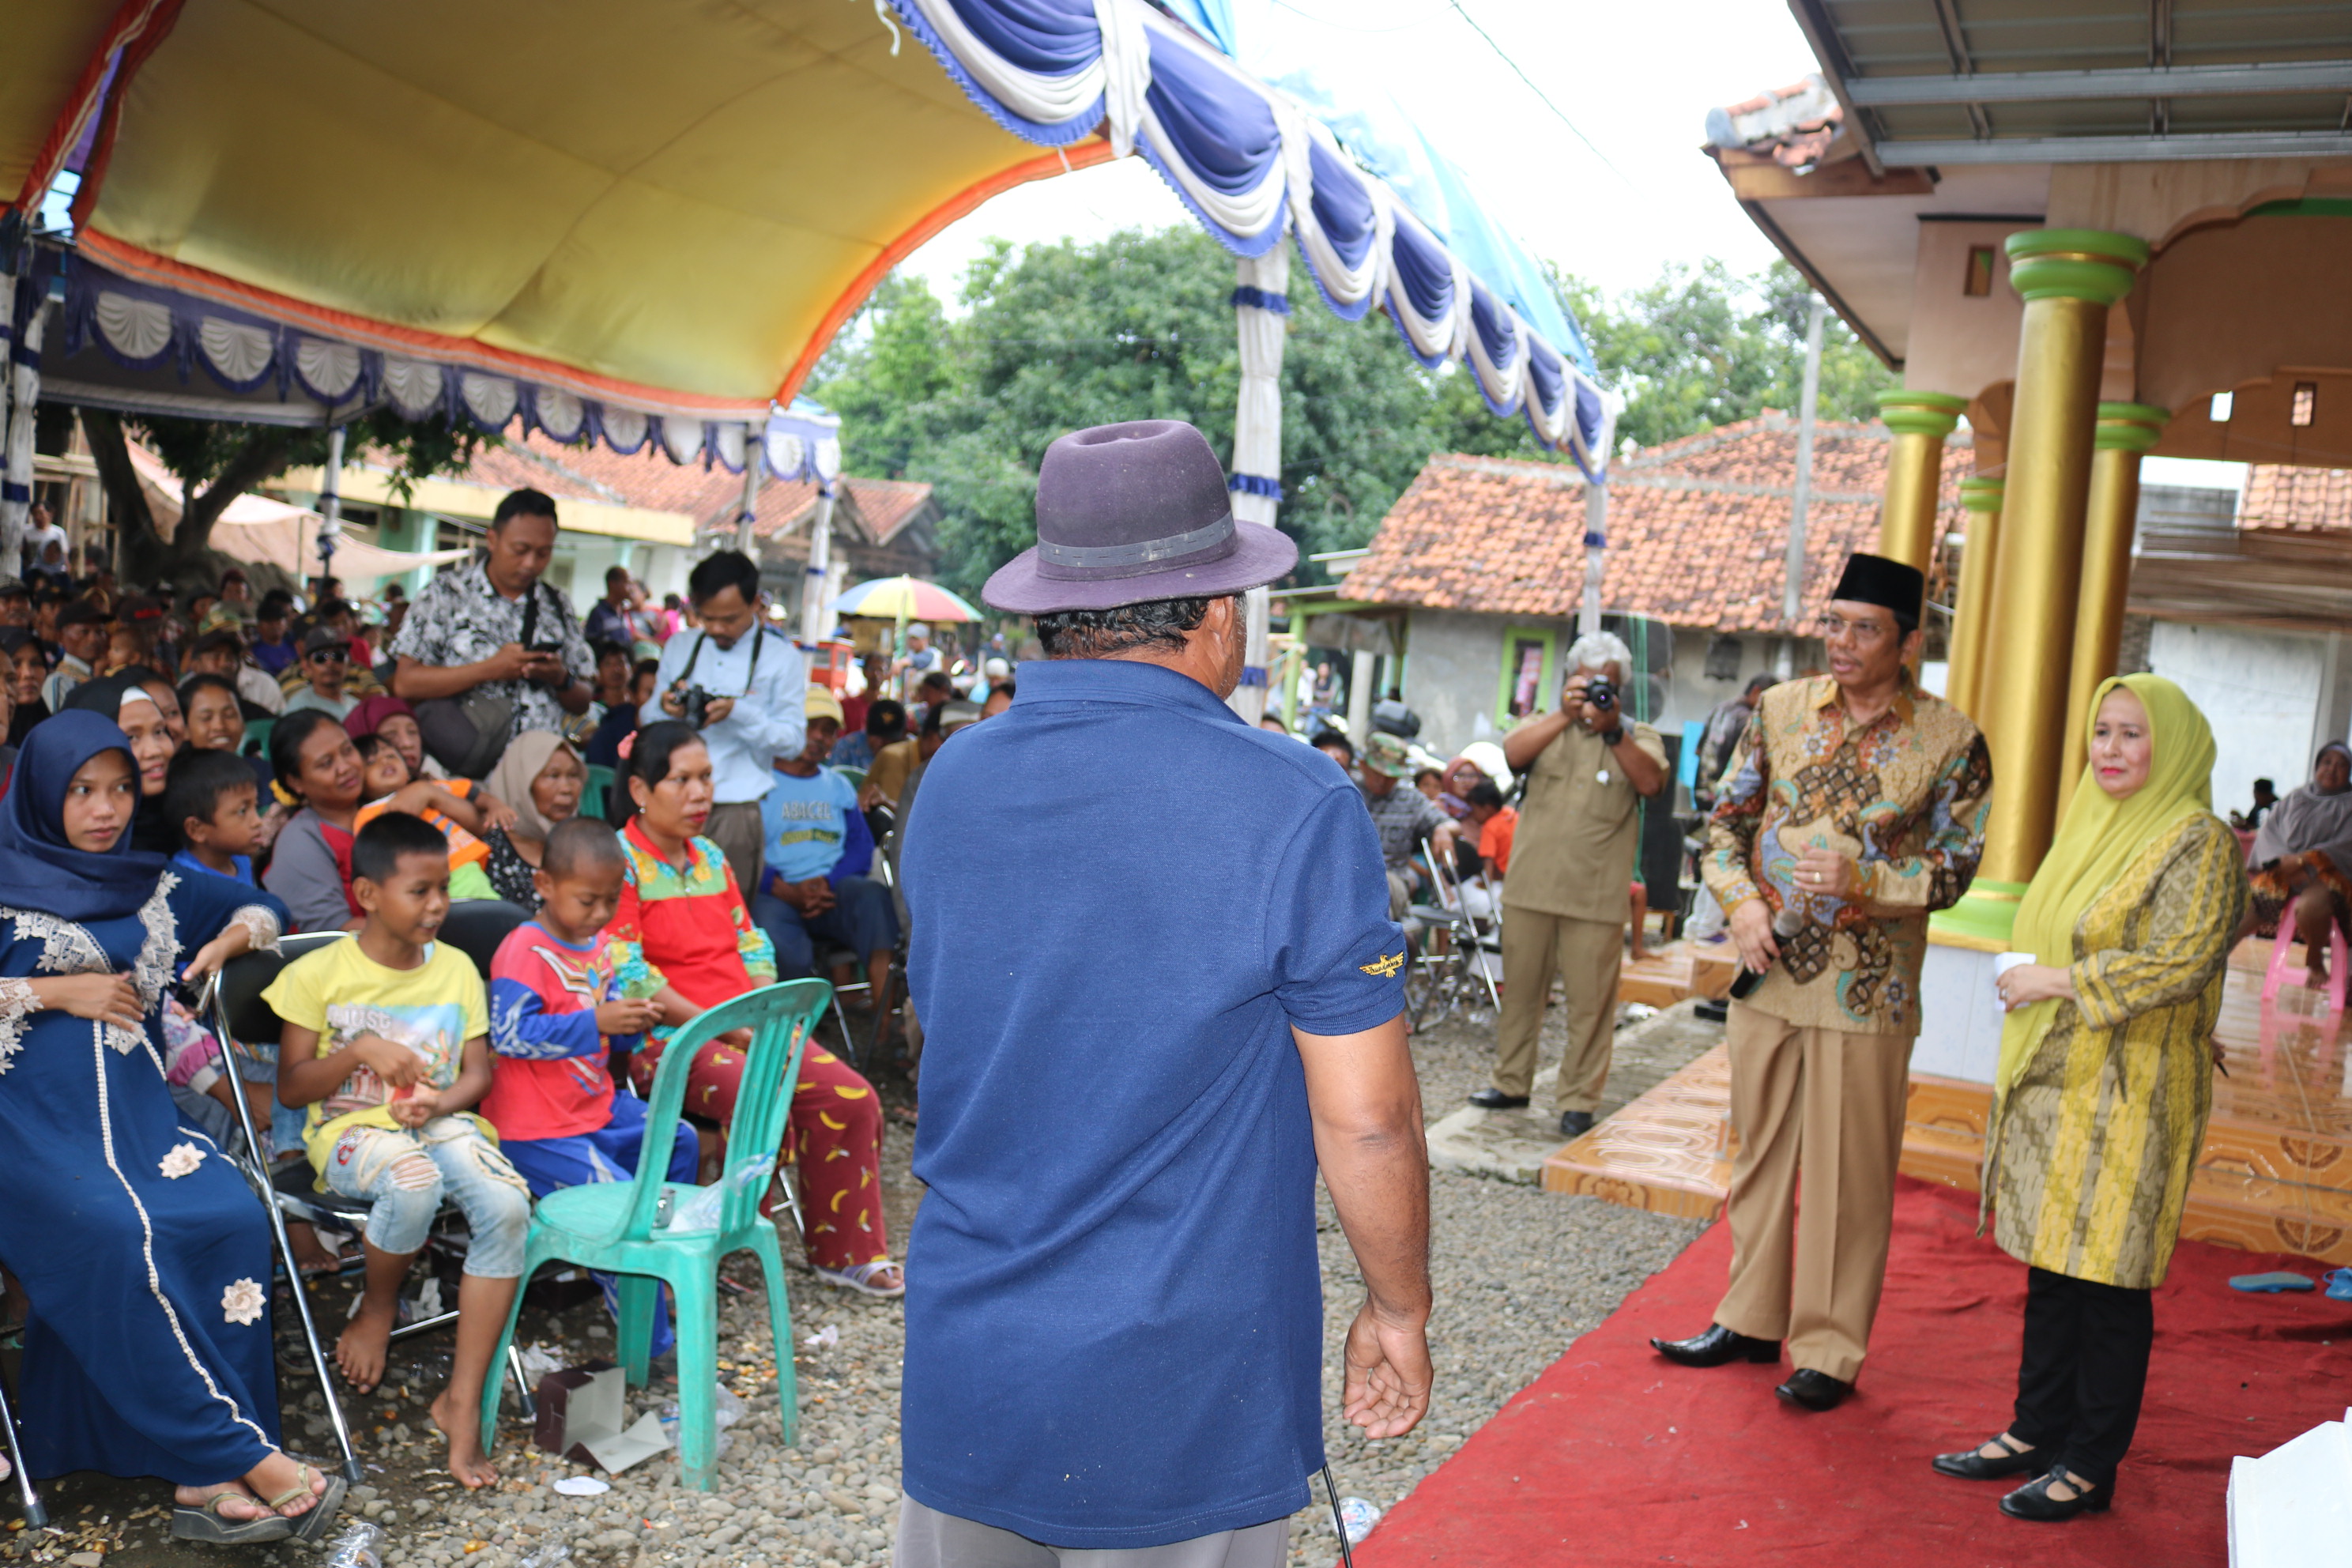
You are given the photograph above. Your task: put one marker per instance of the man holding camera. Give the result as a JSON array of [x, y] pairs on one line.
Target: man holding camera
[[744, 686], [494, 628], [1588, 768]]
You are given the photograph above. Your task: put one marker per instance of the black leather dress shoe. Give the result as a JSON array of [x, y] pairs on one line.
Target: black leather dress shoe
[[1495, 1099], [1715, 1347], [1575, 1123], [1972, 1465], [1813, 1390], [2032, 1501]]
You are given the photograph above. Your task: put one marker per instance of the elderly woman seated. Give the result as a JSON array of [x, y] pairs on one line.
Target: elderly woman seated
[[2302, 858]]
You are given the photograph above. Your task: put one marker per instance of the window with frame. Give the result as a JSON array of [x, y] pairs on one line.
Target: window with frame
[[1530, 654]]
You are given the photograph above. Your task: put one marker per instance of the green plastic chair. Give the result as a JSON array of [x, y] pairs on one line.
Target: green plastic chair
[[610, 1226], [257, 734], [855, 775], [596, 798]]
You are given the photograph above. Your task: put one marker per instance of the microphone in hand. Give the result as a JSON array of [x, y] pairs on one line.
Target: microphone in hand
[[1785, 924]]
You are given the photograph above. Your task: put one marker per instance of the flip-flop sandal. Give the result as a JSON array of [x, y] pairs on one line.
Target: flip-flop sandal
[[206, 1522], [860, 1278], [2270, 1284], [2339, 1284], [311, 1524]]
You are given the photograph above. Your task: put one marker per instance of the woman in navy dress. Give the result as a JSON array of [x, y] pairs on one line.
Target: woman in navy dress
[[144, 1256]]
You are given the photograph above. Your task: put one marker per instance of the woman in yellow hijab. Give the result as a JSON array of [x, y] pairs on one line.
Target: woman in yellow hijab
[[2106, 1078]]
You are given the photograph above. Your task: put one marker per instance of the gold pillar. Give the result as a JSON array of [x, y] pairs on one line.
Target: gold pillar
[[1972, 611], [2068, 279], [1914, 472], [2124, 431]]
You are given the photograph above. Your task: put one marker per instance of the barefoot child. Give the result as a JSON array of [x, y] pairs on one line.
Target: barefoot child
[[556, 1014], [387, 1042]]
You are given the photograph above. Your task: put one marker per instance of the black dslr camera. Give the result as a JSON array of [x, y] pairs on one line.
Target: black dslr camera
[[698, 706], [1602, 692]]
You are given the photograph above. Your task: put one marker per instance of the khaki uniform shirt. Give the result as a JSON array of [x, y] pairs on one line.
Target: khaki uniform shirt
[[1579, 826], [1906, 795]]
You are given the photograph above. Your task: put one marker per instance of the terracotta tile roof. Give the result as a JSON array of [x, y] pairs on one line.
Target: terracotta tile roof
[[2304, 500], [1792, 125], [1698, 528], [880, 509]]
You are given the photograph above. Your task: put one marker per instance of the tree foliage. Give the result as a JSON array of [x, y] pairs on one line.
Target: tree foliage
[[218, 460], [1701, 347], [1140, 326]]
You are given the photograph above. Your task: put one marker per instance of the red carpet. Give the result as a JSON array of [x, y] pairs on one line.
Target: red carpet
[[1616, 1457]]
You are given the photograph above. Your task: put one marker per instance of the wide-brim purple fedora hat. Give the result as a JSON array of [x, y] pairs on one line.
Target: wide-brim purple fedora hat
[[1127, 513]]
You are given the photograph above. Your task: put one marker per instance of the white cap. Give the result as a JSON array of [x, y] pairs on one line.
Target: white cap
[[919, 630], [996, 668]]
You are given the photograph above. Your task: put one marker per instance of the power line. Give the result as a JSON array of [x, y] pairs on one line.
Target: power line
[[1349, 28], [1539, 92]]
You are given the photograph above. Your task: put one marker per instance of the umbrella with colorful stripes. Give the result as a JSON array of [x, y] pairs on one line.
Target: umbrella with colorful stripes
[[904, 599]]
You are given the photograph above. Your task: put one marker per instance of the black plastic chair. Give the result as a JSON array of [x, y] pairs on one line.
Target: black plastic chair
[[475, 927]]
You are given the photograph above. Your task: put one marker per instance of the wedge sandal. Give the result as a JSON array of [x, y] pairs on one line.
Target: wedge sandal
[[207, 1523]]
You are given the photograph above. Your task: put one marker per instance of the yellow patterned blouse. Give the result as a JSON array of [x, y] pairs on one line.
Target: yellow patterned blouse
[[2088, 1163]]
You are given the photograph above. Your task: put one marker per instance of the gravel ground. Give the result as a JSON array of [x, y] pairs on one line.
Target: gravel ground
[[1520, 1273]]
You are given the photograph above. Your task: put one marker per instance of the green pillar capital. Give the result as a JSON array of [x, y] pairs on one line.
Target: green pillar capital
[[2073, 264], [1909, 412], [1981, 492], [2129, 426]]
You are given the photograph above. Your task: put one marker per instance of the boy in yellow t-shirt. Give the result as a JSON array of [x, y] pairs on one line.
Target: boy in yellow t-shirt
[[387, 1042]]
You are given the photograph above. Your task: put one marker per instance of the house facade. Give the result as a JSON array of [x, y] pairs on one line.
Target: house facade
[[1481, 565]]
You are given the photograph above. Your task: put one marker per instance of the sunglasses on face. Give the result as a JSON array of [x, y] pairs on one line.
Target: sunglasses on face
[[329, 655]]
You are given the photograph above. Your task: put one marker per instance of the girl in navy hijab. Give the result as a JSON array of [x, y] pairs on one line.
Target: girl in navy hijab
[[142, 1252]]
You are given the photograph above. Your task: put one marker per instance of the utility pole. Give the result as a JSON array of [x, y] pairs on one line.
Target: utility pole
[[1809, 401]]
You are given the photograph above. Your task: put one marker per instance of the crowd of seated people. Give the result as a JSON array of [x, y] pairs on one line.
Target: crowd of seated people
[[259, 775]]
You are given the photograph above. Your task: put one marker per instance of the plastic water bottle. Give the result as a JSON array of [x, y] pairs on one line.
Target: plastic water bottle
[[1357, 1517], [360, 1545]]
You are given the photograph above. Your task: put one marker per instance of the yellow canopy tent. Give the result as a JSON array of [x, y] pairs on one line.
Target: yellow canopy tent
[[673, 205]]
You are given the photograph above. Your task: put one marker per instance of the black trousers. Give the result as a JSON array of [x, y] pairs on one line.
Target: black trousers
[[2084, 1367]]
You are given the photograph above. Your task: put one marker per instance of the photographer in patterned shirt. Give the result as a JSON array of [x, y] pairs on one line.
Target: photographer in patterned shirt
[[493, 628]]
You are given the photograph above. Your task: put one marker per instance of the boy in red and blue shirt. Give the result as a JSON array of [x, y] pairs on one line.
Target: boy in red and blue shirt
[[555, 1004]]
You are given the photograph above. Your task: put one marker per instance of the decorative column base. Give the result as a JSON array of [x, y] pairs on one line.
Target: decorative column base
[[1984, 916]]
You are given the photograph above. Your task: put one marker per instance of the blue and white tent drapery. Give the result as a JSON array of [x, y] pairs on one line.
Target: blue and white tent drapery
[[1251, 165], [143, 326]]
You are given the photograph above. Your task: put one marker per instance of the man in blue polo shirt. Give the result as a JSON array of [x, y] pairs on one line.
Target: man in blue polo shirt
[[1114, 1312]]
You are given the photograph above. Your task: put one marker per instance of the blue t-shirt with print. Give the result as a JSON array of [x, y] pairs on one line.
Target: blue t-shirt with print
[[803, 823], [1114, 1312]]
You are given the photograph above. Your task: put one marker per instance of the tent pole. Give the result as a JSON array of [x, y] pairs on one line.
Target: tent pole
[[23, 405], [747, 512], [330, 509], [816, 590], [1261, 318]]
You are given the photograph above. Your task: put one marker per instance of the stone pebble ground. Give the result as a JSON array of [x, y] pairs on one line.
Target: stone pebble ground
[[1519, 1274]]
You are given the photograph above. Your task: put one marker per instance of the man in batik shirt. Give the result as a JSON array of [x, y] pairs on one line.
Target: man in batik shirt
[[1857, 803]]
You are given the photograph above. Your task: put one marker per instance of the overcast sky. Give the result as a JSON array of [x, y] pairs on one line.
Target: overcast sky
[[1637, 80]]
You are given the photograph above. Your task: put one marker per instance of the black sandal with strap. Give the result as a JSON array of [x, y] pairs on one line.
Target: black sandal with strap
[[1974, 1466], [2032, 1501]]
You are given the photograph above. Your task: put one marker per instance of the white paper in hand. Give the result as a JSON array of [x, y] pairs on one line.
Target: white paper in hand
[[2002, 962]]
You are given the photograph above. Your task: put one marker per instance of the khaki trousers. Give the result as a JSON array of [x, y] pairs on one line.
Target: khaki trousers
[[743, 838], [1585, 955], [1827, 1106]]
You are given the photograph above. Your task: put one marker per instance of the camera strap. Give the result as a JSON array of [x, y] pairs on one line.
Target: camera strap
[[530, 605], [758, 640]]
